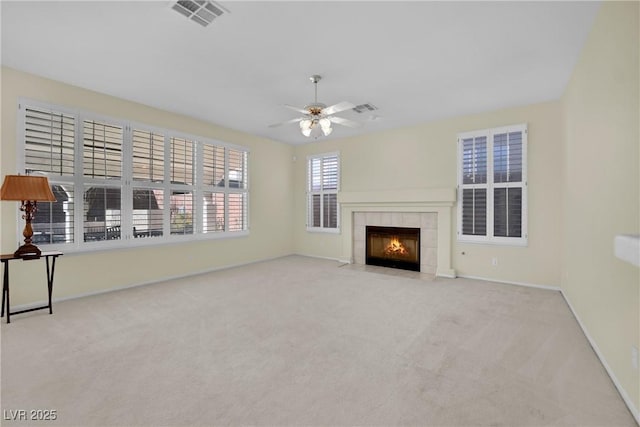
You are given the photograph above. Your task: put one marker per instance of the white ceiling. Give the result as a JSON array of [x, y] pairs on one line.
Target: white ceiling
[[416, 61]]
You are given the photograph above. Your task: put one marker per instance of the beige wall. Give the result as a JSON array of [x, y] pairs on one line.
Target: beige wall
[[270, 202], [602, 188], [425, 157]]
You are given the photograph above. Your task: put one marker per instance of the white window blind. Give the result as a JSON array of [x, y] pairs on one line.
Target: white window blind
[[237, 169], [49, 142], [213, 165], [148, 212], [148, 156], [237, 211], [49, 149], [474, 211], [181, 217], [492, 185], [102, 152], [323, 178], [147, 199], [474, 160], [136, 184], [213, 220], [181, 161], [507, 193], [102, 213], [54, 222], [214, 209], [236, 185]]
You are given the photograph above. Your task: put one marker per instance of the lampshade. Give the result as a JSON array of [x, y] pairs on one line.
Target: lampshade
[[26, 187], [29, 190]]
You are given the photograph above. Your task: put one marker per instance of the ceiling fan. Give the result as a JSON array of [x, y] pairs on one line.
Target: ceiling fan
[[317, 117]]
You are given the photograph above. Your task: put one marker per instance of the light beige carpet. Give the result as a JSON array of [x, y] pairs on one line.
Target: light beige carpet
[[302, 341]]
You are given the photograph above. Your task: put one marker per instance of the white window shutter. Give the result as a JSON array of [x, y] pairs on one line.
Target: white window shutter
[[323, 181], [492, 185], [49, 142], [133, 181]]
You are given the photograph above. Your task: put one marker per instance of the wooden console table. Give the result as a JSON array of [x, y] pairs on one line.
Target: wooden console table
[[5, 282]]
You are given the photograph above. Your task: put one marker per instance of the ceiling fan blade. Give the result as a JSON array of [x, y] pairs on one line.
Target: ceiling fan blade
[[345, 122], [336, 108], [299, 110], [275, 125]]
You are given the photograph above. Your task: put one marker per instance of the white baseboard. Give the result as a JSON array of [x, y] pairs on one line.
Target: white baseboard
[[448, 273], [621, 390], [145, 283], [508, 282], [343, 261]]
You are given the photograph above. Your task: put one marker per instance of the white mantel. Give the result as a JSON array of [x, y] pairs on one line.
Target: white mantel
[[438, 200]]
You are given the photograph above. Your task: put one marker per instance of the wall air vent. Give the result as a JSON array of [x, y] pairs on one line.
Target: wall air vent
[[200, 11], [363, 108]]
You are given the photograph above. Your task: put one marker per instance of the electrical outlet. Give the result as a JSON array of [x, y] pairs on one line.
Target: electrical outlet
[[494, 261], [634, 357]]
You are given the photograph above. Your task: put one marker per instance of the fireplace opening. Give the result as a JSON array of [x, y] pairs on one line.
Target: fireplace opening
[[395, 247]]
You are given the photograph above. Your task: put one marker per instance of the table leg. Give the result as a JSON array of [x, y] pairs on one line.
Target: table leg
[[5, 291], [4, 267], [50, 280]]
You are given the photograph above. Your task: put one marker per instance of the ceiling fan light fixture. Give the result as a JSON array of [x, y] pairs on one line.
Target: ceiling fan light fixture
[[317, 118], [305, 125], [325, 124]]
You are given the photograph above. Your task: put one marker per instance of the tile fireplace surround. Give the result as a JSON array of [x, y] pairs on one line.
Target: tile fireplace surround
[[428, 209]]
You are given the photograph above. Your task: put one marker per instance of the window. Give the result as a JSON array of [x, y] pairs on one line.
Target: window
[[492, 186], [148, 190], [134, 184], [322, 192], [49, 149]]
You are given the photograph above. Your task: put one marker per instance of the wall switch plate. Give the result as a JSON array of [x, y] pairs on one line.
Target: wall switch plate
[[634, 357], [494, 261]]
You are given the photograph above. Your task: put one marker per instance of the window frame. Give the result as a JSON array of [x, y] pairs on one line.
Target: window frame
[[127, 183], [322, 192], [490, 185]]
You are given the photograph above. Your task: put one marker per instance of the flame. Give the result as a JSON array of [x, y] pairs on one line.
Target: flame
[[395, 248]]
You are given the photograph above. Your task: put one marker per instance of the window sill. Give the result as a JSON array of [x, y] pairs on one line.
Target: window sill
[[496, 241], [323, 230], [148, 242]]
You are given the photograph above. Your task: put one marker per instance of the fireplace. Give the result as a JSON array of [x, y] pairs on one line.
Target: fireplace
[[395, 247], [429, 209]]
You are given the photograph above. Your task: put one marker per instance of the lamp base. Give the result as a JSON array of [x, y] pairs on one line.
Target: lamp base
[[28, 250]]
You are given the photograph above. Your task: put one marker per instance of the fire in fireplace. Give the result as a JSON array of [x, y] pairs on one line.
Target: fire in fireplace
[[395, 247]]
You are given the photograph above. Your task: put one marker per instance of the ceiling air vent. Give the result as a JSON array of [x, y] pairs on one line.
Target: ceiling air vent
[[363, 108], [202, 12]]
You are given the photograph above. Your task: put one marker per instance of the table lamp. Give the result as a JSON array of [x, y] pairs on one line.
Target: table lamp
[[29, 190]]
